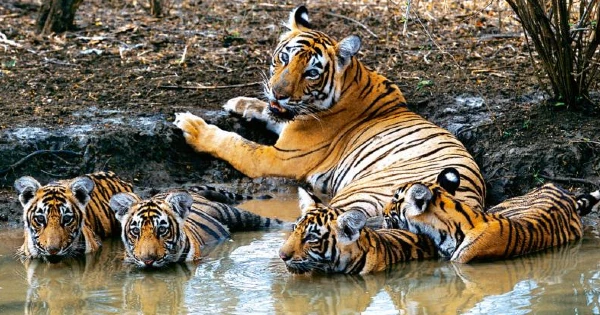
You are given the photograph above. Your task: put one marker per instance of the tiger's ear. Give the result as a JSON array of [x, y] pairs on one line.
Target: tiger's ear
[[417, 199], [122, 202], [26, 187], [346, 49], [307, 200], [181, 203], [298, 19], [449, 179], [349, 225], [82, 187]]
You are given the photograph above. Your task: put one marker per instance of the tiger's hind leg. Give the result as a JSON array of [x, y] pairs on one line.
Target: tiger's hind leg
[[253, 108]]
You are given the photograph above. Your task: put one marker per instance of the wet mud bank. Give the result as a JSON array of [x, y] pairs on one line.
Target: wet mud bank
[[146, 150]]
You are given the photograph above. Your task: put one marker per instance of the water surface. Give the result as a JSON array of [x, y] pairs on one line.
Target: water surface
[[245, 276]]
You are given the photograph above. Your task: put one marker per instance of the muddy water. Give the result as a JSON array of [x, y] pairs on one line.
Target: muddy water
[[244, 276]]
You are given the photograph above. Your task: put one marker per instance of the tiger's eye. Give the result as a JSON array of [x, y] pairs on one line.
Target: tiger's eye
[[284, 57], [67, 218], [39, 219], [162, 230], [311, 238], [312, 74], [135, 230]]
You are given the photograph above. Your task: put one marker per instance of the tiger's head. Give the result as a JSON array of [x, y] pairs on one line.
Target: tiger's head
[[427, 208], [414, 199], [324, 239], [307, 69], [53, 216], [152, 229]]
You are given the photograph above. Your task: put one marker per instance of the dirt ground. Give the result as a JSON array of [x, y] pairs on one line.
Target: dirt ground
[[463, 64]]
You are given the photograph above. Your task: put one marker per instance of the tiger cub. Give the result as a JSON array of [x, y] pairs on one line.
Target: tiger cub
[[545, 217], [329, 240], [67, 218], [174, 226]]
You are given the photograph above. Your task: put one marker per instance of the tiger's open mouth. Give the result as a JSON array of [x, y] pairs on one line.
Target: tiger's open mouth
[[276, 107], [280, 112]]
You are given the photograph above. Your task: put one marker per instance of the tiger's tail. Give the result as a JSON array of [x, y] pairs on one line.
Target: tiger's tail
[[241, 220], [588, 203], [221, 195]]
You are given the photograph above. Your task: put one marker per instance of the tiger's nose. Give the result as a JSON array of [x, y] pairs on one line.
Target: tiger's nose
[[279, 96], [53, 250], [284, 256]]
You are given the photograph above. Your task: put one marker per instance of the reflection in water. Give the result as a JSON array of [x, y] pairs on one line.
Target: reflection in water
[[326, 294], [156, 292], [483, 288], [89, 285], [245, 276]]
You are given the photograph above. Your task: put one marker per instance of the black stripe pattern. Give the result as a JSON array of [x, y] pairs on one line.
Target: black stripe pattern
[[155, 234], [55, 222], [317, 245], [543, 218], [384, 144]]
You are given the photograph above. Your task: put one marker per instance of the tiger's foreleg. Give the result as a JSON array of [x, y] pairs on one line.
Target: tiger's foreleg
[[479, 243], [250, 158], [253, 108]]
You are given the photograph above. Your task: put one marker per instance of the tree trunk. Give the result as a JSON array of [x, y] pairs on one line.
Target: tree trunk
[[56, 16], [156, 8]]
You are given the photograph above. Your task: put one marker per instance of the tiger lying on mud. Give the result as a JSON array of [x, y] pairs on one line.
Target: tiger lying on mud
[[546, 217], [343, 128], [174, 226], [67, 218], [330, 240]]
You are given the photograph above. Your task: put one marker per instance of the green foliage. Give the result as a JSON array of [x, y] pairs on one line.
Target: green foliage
[[423, 84], [537, 178]]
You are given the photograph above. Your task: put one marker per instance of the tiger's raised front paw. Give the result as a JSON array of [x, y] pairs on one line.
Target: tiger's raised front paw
[[247, 107], [194, 128]]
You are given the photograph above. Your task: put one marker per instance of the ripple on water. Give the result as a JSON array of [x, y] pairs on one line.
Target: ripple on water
[[237, 276]]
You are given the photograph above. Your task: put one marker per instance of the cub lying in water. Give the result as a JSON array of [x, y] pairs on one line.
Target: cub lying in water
[[173, 227], [329, 240], [545, 217]]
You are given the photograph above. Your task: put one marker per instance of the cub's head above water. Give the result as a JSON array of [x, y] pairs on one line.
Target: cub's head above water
[[53, 217], [413, 199], [152, 229], [324, 239]]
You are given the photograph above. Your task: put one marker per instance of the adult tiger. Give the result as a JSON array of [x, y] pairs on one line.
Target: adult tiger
[[343, 128], [330, 240], [546, 217], [67, 218], [174, 226]]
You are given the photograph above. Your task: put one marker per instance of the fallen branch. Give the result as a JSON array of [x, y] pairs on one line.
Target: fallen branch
[[585, 141], [499, 36], [5, 40], [353, 21], [202, 87], [35, 153], [570, 180]]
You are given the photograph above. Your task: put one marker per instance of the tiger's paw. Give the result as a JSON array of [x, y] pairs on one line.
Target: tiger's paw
[[247, 107], [194, 128]]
